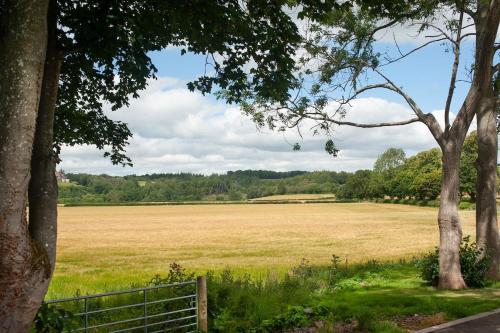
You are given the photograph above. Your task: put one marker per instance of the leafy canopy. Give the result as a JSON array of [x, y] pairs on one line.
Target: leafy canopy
[[249, 48]]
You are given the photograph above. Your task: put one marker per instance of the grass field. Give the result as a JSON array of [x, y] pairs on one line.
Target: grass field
[[294, 197], [107, 248]]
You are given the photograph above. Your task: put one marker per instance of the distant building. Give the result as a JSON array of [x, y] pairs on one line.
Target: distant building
[[61, 177]]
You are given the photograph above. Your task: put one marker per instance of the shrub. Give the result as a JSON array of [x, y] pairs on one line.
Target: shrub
[[294, 317], [304, 270], [473, 269], [466, 205], [50, 319]]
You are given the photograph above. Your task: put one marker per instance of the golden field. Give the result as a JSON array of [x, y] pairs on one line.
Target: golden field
[[103, 248], [292, 197]]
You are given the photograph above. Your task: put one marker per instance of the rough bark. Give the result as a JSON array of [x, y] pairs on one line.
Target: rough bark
[[43, 189], [450, 231], [23, 264], [487, 237]]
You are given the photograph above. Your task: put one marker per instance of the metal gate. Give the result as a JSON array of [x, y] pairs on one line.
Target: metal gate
[[163, 308]]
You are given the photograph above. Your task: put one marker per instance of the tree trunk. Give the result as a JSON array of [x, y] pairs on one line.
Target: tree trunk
[[487, 24], [450, 231], [43, 190], [487, 237], [23, 264]]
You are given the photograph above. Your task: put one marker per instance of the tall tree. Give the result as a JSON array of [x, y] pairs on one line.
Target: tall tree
[[23, 263], [389, 160], [487, 234], [98, 53], [339, 54]]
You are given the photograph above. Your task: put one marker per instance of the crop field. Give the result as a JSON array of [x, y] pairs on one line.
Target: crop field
[[293, 197], [108, 248]]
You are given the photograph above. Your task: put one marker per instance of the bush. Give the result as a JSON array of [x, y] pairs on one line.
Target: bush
[[473, 270], [467, 205], [294, 317], [50, 319]]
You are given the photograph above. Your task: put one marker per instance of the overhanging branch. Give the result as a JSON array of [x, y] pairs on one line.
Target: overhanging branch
[[428, 119], [373, 125]]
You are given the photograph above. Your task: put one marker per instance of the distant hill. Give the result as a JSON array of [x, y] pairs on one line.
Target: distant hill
[[234, 185]]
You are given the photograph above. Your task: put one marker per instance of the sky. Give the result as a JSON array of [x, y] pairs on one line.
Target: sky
[[175, 130]]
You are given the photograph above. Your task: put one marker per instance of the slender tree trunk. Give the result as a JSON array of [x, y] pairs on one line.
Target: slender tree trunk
[[23, 264], [43, 190], [487, 237], [450, 231]]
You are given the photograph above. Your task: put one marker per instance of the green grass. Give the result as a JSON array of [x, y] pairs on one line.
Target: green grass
[[372, 295]]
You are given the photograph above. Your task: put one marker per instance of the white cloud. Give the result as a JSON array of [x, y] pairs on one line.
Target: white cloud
[[179, 131]]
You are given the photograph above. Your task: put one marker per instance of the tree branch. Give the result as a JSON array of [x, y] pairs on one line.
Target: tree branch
[[428, 119], [441, 31], [404, 55], [454, 69], [373, 125], [467, 35], [464, 9], [496, 68]]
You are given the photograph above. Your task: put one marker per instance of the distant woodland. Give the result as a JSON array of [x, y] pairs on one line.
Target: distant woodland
[[394, 175]]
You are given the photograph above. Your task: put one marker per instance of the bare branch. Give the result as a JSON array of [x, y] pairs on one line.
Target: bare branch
[[404, 55], [416, 109], [373, 125], [384, 26], [454, 69], [467, 35], [435, 27], [428, 119], [370, 87], [496, 68]]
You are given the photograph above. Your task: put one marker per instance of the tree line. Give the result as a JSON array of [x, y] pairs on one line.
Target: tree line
[[234, 186], [417, 177], [394, 175]]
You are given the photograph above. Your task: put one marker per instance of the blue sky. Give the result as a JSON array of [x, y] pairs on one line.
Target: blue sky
[[424, 74], [179, 131]]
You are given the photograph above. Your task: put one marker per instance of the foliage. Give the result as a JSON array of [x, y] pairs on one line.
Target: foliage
[[356, 186], [235, 185], [369, 295], [248, 46], [293, 317], [176, 273], [468, 172], [51, 319], [416, 179], [473, 267], [389, 160]]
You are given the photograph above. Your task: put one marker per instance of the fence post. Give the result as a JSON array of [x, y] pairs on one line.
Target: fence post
[[145, 310], [86, 315], [201, 291]]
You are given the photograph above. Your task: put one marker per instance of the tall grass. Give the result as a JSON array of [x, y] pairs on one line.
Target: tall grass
[[371, 297]]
